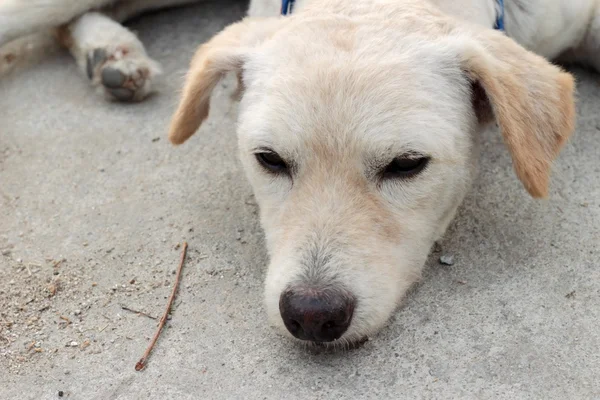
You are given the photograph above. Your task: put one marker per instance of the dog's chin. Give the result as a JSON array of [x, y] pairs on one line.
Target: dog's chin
[[341, 344], [349, 341]]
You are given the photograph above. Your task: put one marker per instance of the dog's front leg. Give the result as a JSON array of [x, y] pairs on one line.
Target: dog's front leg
[[21, 17], [111, 56]]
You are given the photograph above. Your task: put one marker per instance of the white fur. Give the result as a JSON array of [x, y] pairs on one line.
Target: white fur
[[124, 51], [322, 208], [22, 17]]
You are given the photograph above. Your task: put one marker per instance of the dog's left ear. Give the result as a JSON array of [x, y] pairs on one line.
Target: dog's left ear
[[226, 52], [531, 99]]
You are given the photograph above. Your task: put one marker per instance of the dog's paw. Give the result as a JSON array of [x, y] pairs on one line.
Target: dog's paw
[[121, 74]]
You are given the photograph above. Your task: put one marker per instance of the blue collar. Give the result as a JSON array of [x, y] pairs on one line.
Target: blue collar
[[499, 25], [287, 6]]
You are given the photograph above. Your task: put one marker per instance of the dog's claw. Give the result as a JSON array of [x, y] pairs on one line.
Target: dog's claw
[[99, 56], [93, 59], [113, 78]]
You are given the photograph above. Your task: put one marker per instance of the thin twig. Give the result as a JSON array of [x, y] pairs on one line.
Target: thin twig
[[142, 363], [57, 263], [137, 312]]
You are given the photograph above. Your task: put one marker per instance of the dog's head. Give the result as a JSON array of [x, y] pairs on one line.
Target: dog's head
[[358, 140]]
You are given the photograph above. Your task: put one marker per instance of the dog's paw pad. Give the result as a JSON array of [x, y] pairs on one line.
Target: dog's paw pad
[[113, 78], [114, 81], [122, 94], [123, 75]]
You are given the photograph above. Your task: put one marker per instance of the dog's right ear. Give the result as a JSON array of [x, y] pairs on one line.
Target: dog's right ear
[[226, 52]]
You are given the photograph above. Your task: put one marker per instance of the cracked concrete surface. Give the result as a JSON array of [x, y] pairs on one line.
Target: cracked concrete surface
[[93, 201]]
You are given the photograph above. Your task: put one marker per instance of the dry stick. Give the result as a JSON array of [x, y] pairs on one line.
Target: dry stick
[[137, 312], [142, 363]]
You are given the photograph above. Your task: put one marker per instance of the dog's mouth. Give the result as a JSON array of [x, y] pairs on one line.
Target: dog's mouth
[[341, 344]]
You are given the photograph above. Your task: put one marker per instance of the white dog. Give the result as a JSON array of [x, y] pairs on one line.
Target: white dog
[[358, 127], [358, 124]]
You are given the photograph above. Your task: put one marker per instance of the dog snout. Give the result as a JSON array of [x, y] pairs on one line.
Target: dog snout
[[318, 316]]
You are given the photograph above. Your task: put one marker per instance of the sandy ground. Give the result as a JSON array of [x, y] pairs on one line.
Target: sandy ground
[[94, 201]]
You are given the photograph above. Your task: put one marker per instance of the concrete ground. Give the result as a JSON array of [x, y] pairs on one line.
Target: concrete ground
[[93, 201]]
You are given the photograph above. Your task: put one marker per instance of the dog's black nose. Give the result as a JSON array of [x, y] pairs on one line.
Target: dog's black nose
[[319, 316]]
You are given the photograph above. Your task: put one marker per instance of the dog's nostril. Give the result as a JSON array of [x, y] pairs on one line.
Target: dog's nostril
[[315, 315], [294, 326]]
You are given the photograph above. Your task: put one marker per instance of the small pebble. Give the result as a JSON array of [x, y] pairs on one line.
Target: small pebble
[[447, 260], [61, 393], [77, 312]]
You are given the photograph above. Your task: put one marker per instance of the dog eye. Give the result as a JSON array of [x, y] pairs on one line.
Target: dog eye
[[405, 167], [271, 161]]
